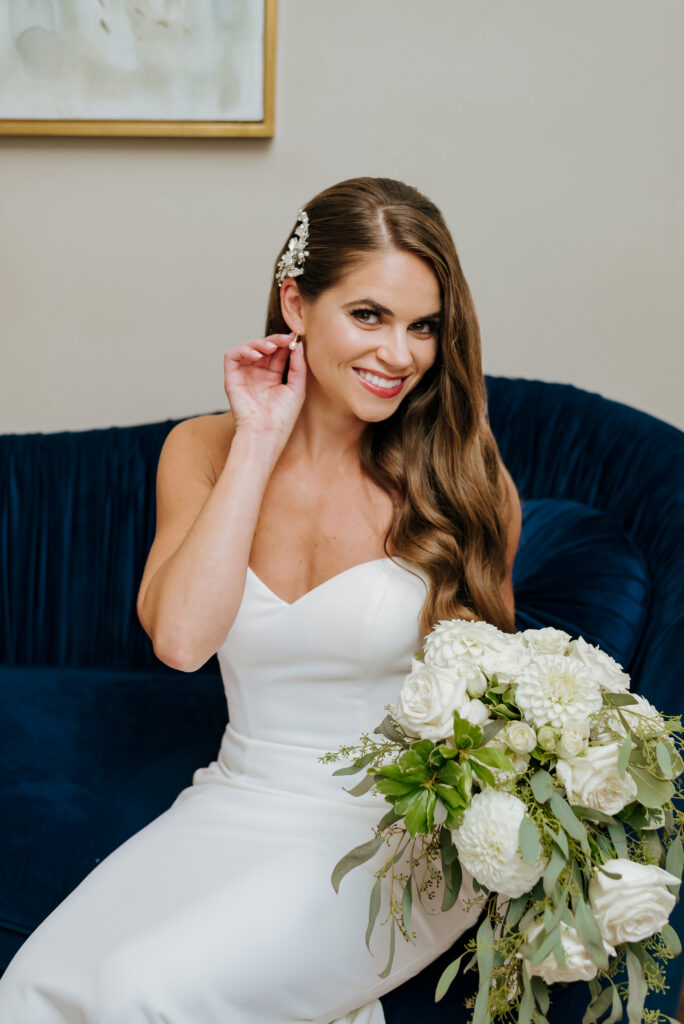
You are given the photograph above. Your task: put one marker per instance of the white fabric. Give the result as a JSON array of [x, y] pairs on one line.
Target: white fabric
[[221, 910]]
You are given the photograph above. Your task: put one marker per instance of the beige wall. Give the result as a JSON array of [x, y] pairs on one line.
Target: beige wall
[[548, 132]]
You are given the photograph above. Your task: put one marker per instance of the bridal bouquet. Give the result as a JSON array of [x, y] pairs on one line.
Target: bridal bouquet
[[523, 759]]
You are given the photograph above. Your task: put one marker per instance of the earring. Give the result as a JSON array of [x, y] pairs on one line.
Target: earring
[[293, 343]]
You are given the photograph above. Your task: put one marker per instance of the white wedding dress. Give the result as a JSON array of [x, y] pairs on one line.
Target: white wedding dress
[[221, 910]]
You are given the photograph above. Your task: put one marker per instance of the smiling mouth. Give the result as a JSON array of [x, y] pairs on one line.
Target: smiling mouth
[[387, 387]]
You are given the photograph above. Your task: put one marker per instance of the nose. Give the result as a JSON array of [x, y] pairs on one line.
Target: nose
[[394, 349]]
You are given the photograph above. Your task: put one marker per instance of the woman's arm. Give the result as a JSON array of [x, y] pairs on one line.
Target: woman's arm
[[195, 573]]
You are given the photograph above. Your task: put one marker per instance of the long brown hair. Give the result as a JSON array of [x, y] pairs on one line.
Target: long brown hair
[[436, 455]]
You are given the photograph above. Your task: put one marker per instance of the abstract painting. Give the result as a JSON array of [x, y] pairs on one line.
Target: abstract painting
[[137, 67]]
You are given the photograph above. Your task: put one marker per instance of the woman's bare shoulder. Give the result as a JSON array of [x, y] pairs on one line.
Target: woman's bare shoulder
[[208, 437]]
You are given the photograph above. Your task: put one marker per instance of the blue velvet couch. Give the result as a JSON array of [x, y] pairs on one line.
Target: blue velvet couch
[[97, 736]]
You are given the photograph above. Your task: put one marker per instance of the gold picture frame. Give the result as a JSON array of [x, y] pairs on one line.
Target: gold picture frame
[[121, 127]]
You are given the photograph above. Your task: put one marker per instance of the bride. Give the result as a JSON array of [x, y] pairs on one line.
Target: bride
[[311, 536]]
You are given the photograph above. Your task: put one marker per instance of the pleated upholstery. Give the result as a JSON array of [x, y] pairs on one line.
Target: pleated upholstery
[[76, 523]]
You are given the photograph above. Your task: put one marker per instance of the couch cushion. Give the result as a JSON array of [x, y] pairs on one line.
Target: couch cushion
[[89, 758], [577, 570]]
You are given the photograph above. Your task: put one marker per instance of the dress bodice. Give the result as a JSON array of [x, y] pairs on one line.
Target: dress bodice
[[305, 677]]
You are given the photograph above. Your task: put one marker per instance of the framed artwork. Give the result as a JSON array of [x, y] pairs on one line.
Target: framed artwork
[[137, 67]]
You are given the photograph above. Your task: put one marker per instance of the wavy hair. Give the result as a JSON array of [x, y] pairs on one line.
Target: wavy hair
[[436, 455]]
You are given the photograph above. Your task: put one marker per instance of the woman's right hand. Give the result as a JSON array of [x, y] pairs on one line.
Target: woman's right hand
[[253, 374]]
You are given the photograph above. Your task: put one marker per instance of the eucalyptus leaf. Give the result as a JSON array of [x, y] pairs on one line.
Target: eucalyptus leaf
[[572, 825], [485, 949], [637, 988], [560, 839], [447, 976], [356, 767], [549, 940], [592, 814], [388, 819], [359, 855], [616, 1010], [485, 966], [388, 729], [626, 749], [447, 847], [406, 902], [674, 861], [552, 871], [598, 1006], [528, 838], [452, 885], [541, 993], [618, 700], [388, 967], [492, 729], [665, 759], [542, 786], [651, 791], [588, 931], [361, 787], [373, 909], [527, 1002], [671, 940], [515, 909], [618, 837]]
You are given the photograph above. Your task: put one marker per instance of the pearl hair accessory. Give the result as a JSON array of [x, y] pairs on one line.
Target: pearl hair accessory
[[290, 263]]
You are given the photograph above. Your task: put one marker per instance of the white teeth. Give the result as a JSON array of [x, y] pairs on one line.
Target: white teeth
[[380, 382]]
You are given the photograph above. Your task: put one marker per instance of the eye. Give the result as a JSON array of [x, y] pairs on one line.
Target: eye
[[362, 315], [426, 326]]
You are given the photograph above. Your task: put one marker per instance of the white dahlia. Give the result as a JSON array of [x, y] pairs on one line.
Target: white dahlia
[[487, 844], [553, 689], [452, 640]]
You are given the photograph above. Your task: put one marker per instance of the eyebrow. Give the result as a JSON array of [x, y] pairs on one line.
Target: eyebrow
[[379, 308]]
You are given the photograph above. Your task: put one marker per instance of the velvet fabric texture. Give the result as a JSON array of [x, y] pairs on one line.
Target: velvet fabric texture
[[98, 736]]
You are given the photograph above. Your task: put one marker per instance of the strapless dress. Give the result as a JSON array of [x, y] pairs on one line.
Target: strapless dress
[[221, 910]]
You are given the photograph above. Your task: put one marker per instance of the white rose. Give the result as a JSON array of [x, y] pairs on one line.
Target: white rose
[[520, 737], [487, 844], [573, 738], [427, 701], [554, 689], [634, 906], [593, 780], [605, 669], [578, 964], [547, 640]]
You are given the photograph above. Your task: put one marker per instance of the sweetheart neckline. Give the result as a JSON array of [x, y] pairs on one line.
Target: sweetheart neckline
[[330, 579]]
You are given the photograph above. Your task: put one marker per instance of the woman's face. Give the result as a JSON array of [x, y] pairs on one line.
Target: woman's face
[[371, 338]]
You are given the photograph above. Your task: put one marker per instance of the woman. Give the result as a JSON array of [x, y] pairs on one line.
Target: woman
[[353, 496]]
